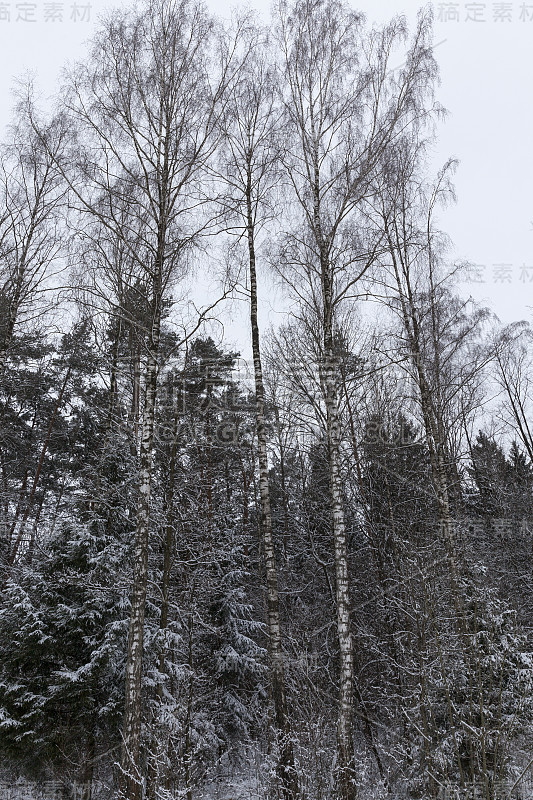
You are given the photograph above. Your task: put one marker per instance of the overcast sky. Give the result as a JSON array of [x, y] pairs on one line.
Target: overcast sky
[[485, 53]]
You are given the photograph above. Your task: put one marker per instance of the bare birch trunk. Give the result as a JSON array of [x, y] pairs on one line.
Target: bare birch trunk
[[346, 765], [346, 786], [286, 767], [113, 384], [131, 767], [345, 777]]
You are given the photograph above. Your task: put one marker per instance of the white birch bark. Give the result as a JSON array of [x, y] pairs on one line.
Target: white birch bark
[[346, 777], [133, 699], [286, 768]]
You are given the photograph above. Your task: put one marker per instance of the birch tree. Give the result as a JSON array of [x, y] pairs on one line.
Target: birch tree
[[438, 331], [144, 110], [439, 336], [343, 105], [250, 170]]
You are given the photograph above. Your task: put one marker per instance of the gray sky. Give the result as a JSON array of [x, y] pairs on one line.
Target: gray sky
[[485, 53]]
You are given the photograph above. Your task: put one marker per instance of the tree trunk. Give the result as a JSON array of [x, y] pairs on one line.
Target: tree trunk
[[286, 767], [345, 759], [131, 767], [88, 768], [345, 778]]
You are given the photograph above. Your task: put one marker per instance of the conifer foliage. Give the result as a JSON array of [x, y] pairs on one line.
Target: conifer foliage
[[292, 567]]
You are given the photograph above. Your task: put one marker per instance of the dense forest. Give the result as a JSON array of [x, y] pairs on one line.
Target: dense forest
[[301, 571]]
